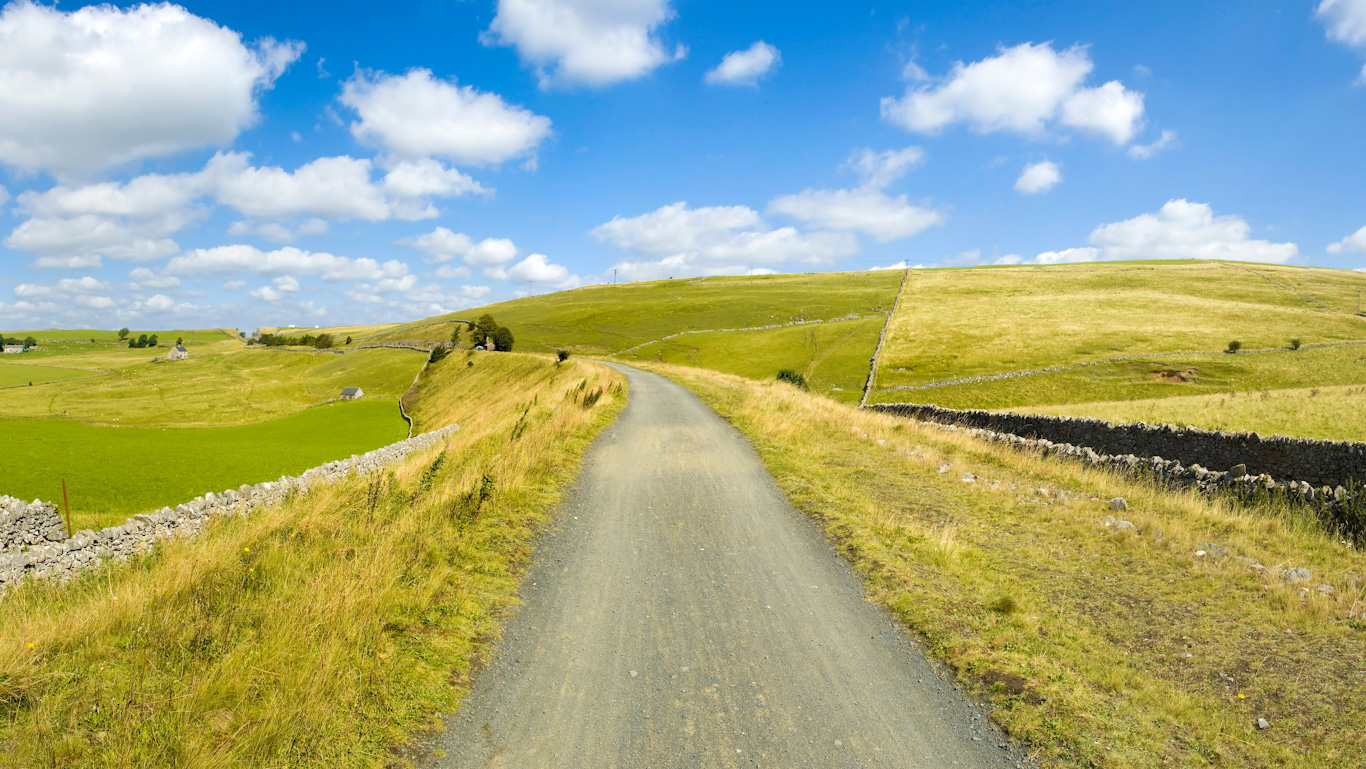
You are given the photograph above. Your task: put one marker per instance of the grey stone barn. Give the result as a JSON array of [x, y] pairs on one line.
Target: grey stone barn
[[352, 393], [178, 353]]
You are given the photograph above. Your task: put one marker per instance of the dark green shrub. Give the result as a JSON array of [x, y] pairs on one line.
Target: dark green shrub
[[1294, 344], [793, 377], [1234, 347], [562, 355]]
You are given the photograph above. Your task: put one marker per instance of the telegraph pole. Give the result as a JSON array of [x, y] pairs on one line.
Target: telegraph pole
[[614, 282]]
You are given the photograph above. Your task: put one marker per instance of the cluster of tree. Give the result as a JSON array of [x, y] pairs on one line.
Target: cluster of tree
[[143, 340], [486, 330], [27, 341], [321, 341]]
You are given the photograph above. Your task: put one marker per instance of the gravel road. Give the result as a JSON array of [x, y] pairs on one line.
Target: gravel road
[[683, 614]]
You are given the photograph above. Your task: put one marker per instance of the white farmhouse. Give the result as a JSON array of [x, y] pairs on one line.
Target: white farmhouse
[[352, 393], [178, 353]]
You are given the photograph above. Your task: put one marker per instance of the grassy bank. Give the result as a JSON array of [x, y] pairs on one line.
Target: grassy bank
[[1152, 378], [113, 473], [1331, 413], [1097, 648], [223, 386], [970, 322], [319, 632]]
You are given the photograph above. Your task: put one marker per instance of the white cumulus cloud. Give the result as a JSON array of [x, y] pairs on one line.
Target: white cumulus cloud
[[235, 259], [745, 67], [417, 115], [100, 86], [1038, 177], [1179, 230], [677, 241], [1356, 242], [1346, 23], [1144, 151], [1026, 89], [864, 209], [584, 42]]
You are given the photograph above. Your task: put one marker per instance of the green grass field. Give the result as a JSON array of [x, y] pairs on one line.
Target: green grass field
[[190, 335], [832, 356], [18, 374], [1144, 379], [113, 473], [599, 320], [1331, 413], [225, 386], [970, 322]]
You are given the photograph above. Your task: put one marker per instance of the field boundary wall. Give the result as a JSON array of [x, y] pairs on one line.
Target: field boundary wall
[[1317, 462], [33, 541]]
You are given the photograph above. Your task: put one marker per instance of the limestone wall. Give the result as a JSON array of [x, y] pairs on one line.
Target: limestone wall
[[1320, 463], [33, 541]]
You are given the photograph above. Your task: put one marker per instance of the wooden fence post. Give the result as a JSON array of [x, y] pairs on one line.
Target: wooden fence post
[[66, 505]]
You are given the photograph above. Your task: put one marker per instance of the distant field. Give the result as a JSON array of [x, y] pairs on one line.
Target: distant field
[[1331, 413], [970, 322], [1145, 379], [832, 356], [12, 374], [113, 473], [599, 320], [233, 385], [341, 331], [196, 335], [422, 332]]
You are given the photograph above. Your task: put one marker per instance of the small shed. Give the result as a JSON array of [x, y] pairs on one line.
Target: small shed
[[178, 353], [352, 393]]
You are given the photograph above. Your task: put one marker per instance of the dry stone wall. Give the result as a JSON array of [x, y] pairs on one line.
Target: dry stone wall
[[33, 541], [1341, 510], [1319, 463]]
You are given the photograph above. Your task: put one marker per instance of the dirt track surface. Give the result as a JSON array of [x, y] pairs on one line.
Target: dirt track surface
[[684, 615]]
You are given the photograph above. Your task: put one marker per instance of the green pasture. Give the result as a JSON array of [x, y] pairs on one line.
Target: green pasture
[[1143, 379], [832, 356], [968, 322], [112, 473], [19, 374], [236, 385], [190, 335], [1330, 413], [597, 320]]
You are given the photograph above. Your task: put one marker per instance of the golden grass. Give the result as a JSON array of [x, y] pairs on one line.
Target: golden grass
[[1095, 648], [319, 632], [1332, 413]]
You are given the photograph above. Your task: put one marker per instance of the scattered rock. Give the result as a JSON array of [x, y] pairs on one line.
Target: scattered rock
[[1296, 575], [1325, 589], [1124, 527], [1119, 503], [1262, 724], [969, 478], [943, 469], [1214, 549], [1238, 471]]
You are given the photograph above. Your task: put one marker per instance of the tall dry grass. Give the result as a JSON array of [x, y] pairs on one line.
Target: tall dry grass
[[323, 631]]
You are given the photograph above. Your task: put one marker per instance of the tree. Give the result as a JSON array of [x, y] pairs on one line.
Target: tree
[[348, 340], [1294, 344], [123, 334], [323, 342], [30, 342], [152, 340], [179, 341], [562, 355], [438, 354], [503, 338], [455, 333], [485, 328], [1234, 347], [142, 340]]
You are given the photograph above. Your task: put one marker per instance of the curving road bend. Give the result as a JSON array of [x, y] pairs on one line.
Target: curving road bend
[[684, 615]]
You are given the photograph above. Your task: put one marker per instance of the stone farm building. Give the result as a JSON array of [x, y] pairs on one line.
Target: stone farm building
[[14, 348], [178, 353], [352, 393]]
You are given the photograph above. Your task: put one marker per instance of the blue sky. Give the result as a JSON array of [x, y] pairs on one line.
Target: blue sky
[[265, 163]]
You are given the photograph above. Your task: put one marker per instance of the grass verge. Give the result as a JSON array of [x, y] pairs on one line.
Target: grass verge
[[1097, 648], [319, 632]]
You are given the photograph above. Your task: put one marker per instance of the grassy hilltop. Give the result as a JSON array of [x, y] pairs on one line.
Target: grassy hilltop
[[630, 321]]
